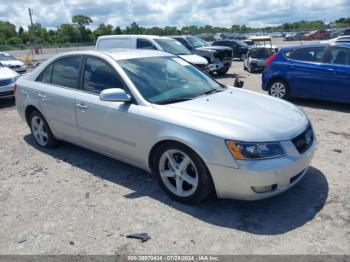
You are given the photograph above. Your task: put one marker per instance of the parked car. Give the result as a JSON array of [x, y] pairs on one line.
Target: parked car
[[150, 42], [319, 71], [239, 48], [12, 62], [294, 36], [344, 38], [256, 58], [8, 78], [155, 111], [219, 57], [317, 35]]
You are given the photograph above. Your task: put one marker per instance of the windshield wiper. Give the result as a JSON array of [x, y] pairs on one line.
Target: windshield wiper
[[216, 90], [174, 100]]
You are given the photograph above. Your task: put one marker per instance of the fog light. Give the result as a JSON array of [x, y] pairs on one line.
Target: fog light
[[264, 189]]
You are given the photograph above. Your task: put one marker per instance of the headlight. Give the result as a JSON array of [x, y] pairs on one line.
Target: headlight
[[252, 151]]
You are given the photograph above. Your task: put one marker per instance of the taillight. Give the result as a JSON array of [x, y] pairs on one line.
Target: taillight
[[270, 59], [14, 88]]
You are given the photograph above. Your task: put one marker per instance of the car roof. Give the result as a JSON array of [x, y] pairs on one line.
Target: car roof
[[345, 44], [122, 53], [133, 36]]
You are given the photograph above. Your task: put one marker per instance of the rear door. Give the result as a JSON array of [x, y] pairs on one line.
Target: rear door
[[305, 72], [106, 126], [59, 83], [337, 82]]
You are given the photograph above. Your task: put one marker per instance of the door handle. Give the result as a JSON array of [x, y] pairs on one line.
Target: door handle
[[41, 95], [81, 106]]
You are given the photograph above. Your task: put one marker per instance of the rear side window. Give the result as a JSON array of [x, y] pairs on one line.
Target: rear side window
[[144, 44], [309, 54], [98, 75], [66, 71], [338, 56], [46, 75]]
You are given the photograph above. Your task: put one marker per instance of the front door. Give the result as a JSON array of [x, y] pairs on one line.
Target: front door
[[108, 126]]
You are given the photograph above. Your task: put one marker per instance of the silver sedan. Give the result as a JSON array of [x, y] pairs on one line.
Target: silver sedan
[[157, 112]]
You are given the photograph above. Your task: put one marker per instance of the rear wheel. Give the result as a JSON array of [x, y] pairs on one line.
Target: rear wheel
[[182, 173], [41, 131], [279, 88]]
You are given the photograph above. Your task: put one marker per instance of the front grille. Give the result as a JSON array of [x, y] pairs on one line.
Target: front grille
[[9, 93], [303, 141], [6, 82]]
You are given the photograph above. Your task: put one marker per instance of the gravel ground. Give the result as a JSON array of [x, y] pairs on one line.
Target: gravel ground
[[73, 201]]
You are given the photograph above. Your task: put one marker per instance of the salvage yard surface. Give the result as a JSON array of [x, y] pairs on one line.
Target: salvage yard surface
[[73, 201]]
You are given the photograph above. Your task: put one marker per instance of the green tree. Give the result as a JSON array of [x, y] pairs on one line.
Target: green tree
[[103, 29], [117, 31], [134, 28], [67, 33], [80, 22]]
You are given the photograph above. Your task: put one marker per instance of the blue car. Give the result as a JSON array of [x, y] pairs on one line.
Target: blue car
[[317, 71]]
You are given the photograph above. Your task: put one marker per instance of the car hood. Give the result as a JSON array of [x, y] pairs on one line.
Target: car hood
[[6, 73], [12, 62], [216, 48], [239, 115], [195, 59]]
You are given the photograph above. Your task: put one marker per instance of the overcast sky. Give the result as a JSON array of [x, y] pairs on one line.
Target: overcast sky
[[147, 13]]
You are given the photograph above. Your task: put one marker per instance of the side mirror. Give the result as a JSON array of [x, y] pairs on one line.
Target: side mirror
[[114, 95]]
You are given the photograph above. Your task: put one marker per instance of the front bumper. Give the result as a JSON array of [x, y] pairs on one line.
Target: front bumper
[[217, 66], [280, 173], [6, 91]]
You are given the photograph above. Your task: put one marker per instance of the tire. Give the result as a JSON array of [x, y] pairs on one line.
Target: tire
[[181, 173], [279, 88], [41, 131], [223, 70]]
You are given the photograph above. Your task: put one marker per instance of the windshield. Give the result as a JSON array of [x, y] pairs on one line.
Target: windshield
[[172, 46], [6, 57], [165, 79], [197, 42], [260, 53]]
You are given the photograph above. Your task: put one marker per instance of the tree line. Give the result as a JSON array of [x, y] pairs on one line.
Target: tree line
[[77, 31]]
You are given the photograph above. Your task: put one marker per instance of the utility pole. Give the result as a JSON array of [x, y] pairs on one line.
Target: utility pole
[[30, 11]]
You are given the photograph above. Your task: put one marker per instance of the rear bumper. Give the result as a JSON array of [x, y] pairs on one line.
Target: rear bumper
[[279, 174]]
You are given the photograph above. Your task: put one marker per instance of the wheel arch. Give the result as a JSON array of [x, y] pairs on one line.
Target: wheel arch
[[29, 109]]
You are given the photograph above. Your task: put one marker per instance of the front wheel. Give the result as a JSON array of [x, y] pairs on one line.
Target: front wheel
[[182, 173], [279, 88], [223, 70]]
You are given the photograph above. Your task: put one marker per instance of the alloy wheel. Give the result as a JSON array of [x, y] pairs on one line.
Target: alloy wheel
[[178, 173], [39, 131]]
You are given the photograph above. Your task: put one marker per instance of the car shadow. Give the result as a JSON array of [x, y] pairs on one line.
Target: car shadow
[[320, 104], [272, 216], [7, 102]]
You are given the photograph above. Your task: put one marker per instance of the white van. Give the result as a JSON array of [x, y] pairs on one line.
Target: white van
[[161, 43]]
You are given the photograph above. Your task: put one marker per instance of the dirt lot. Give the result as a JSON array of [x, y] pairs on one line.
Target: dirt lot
[[71, 200]]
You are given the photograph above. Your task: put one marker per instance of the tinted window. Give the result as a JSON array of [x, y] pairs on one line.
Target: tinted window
[[339, 56], [66, 72], [46, 75], [99, 75], [310, 54], [144, 44], [183, 41], [172, 46]]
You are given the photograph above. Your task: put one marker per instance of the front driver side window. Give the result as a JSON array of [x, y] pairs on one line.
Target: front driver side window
[[98, 75]]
